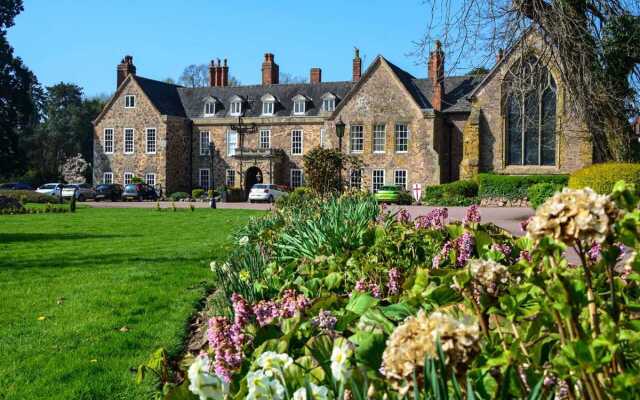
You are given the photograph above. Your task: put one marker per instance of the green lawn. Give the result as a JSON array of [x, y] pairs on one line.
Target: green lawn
[[89, 274]]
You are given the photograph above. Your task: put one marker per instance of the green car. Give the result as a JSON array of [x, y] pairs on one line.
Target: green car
[[392, 194]]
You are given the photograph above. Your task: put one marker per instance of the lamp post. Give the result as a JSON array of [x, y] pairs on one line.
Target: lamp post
[[212, 149], [340, 134]]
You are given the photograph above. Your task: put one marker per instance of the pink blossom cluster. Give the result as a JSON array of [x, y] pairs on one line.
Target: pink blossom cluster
[[525, 223], [393, 285], [472, 216], [594, 252], [435, 219], [325, 321], [503, 248], [403, 216], [365, 286], [463, 247], [226, 339], [525, 255], [292, 302], [266, 311]]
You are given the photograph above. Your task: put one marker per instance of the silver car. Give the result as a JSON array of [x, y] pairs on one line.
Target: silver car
[[52, 189], [82, 191], [265, 192]]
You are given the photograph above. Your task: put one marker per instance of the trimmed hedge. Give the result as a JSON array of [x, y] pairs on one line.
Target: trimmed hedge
[[177, 196], [602, 177], [513, 186], [28, 196], [197, 193], [458, 193], [540, 192]]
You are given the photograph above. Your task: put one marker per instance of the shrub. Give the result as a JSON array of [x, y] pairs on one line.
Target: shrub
[[602, 177], [458, 193], [513, 186], [177, 196], [322, 169], [27, 196], [540, 192], [235, 195], [295, 199], [197, 193]]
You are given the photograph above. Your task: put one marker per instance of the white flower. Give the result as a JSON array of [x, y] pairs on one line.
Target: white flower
[[243, 241], [317, 393], [271, 360], [213, 266], [264, 386], [204, 384], [340, 363]]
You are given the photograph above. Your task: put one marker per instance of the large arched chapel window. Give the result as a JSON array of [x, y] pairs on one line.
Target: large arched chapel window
[[530, 110]]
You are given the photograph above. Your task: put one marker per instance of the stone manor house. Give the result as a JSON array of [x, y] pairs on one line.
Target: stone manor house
[[406, 129]]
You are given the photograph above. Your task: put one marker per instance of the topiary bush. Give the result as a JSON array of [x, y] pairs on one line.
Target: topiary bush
[[297, 198], [540, 192], [513, 186], [28, 196], [177, 196], [458, 193], [197, 193], [602, 177]]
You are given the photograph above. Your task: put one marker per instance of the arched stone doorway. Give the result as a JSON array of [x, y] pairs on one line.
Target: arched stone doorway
[[253, 175]]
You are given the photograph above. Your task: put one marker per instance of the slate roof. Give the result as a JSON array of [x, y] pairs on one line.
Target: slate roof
[[164, 96], [457, 90]]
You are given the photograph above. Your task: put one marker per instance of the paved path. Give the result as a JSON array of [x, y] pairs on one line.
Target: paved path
[[507, 218]]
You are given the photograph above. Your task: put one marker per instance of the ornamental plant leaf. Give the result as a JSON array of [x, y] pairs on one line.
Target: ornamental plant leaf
[[369, 348], [398, 312], [361, 302]]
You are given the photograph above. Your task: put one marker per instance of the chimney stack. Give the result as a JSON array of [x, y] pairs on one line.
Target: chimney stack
[[436, 75], [213, 70], [270, 70], [315, 75], [357, 66], [218, 73], [125, 68], [224, 73]]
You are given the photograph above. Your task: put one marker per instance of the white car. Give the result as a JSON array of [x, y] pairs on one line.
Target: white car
[[265, 192], [52, 189], [82, 191]]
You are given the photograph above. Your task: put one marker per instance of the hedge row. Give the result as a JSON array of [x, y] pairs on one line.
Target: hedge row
[[458, 193], [602, 177], [514, 186], [28, 196]]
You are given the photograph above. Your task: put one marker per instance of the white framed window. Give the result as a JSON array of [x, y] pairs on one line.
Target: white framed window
[[323, 132], [209, 108], [265, 138], [107, 141], [128, 141], [236, 107], [297, 138], [130, 101], [377, 179], [107, 177], [205, 139], [400, 178], [379, 138], [230, 178], [128, 177], [267, 107], [150, 179], [299, 106], [150, 145], [328, 104], [297, 178], [203, 178], [356, 138], [402, 138], [355, 179], [232, 143]]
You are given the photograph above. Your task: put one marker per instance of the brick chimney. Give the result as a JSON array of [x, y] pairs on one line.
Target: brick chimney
[[436, 75], [213, 70], [315, 75], [270, 70], [218, 73], [357, 66], [224, 72], [125, 68]]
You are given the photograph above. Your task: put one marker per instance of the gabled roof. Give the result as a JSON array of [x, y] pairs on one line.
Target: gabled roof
[[164, 96]]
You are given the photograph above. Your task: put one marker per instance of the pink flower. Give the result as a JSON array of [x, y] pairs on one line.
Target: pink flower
[[435, 219], [472, 215], [404, 216], [265, 311], [241, 309], [393, 285]]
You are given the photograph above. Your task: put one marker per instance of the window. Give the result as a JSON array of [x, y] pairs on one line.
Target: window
[[400, 178], [299, 107], [322, 134], [203, 178], [230, 178], [107, 177], [129, 101], [108, 141], [328, 104], [150, 179], [128, 141], [128, 177], [265, 138], [232, 143], [204, 143], [151, 141], [236, 107], [530, 114], [296, 178], [402, 138], [356, 136], [379, 138], [377, 179], [267, 108], [209, 108], [296, 142], [355, 179]]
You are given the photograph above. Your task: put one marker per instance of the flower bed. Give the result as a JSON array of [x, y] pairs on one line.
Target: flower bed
[[340, 299]]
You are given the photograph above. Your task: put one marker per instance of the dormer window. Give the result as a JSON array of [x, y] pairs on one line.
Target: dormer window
[[236, 106], [328, 102], [209, 107], [299, 105], [268, 104]]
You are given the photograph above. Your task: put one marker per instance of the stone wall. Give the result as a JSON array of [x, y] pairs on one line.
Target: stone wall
[[178, 158]]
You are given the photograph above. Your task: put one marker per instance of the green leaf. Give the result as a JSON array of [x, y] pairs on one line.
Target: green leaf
[[369, 348], [333, 280], [398, 311], [361, 302]]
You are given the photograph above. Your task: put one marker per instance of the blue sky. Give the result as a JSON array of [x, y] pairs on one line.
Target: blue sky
[[81, 41]]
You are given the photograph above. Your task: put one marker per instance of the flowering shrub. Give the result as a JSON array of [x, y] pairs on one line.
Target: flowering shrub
[[430, 307]]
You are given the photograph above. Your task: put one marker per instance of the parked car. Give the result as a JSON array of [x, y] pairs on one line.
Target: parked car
[[82, 191], [108, 191], [52, 189], [392, 194], [139, 191], [16, 186], [265, 192]]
